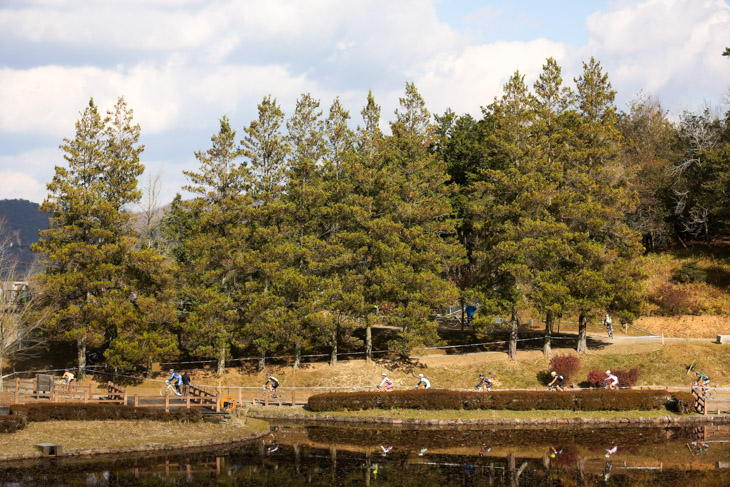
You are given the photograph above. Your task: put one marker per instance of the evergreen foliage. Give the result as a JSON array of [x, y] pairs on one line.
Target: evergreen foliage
[[305, 230]]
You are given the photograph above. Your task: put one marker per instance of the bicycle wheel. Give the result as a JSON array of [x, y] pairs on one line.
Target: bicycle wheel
[[711, 393], [165, 390]]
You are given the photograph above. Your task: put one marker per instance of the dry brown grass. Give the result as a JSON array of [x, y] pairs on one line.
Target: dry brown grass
[[81, 435]]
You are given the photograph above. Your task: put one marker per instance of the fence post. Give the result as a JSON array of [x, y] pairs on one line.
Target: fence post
[[293, 398], [240, 396], [136, 400], [124, 398], [187, 400], [86, 396], [17, 390], [167, 403], [217, 402], [266, 398]]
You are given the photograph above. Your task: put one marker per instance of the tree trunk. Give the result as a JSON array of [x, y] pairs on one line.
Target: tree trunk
[[221, 361], [582, 334], [546, 350], [368, 343], [513, 337], [81, 350], [297, 356], [333, 354], [148, 371], [262, 361], [2, 357]]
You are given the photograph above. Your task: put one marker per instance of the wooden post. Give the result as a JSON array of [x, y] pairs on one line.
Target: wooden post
[[124, 398], [167, 403], [218, 402], [86, 395], [240, 396], [293, 398], [17, 390], [187, 401], [266, 398], [136, 400]]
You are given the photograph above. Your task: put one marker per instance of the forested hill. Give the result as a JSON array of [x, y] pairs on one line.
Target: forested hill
[[22, 221]]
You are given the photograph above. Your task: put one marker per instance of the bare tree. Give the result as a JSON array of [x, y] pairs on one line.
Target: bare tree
[[150, 215], [20, 322]]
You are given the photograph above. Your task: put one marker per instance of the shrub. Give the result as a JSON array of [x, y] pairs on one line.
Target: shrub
[[565, 365], [91, 412], [675, 301], [690, 272], [626, 378], [11, 424], [512, 400], [681, 402], [596, 378]]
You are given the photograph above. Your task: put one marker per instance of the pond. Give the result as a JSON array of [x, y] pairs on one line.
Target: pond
[[314, 455]]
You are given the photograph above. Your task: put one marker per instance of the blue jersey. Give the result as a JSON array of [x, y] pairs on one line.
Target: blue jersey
[[172, 378]]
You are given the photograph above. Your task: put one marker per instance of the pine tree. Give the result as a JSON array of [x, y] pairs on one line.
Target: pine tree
[[221, 187], [413, 228], [598, 197], [89, 240], [264, 313]]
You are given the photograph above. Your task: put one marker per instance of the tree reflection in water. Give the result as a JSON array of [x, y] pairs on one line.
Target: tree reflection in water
[[316, 456]]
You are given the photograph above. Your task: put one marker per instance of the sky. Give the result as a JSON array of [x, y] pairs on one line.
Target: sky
[[183, 64]]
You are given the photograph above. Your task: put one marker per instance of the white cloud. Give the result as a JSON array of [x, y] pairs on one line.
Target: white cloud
[[16, 184], [472, 78], [671, 48]]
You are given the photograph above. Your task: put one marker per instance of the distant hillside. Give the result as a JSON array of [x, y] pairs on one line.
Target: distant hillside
[[23, 220]]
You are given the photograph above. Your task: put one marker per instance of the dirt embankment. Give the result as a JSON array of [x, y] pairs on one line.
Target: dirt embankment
[[686, 326]]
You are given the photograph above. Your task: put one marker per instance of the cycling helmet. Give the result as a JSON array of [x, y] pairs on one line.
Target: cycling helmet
[[420, 375], [697, 373], [172, 370], [268, 374], [481, 375], [553, 373], [384, 374], [608, 372]]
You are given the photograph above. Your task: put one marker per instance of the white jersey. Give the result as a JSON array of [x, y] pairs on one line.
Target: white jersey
[[426, 383], [386, 381], [612, 380]]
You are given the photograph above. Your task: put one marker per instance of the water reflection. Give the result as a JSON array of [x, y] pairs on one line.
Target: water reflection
[[315, 455]]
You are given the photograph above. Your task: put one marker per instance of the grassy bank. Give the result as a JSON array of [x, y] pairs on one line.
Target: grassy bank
[[83, 435]]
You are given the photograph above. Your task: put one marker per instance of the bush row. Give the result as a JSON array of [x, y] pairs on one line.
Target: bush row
[[598, 400], [92, 412]]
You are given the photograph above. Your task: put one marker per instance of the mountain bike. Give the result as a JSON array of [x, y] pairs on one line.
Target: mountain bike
[[707, 392], [167, 389], [609, 330]]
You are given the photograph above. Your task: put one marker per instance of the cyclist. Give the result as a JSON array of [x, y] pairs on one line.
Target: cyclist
[[423, 383], [609, 325], [272, 383], [386, 384], [68, 377], [484, 384], [611, 381], [558, 381], [175, 380], [703, 381]]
